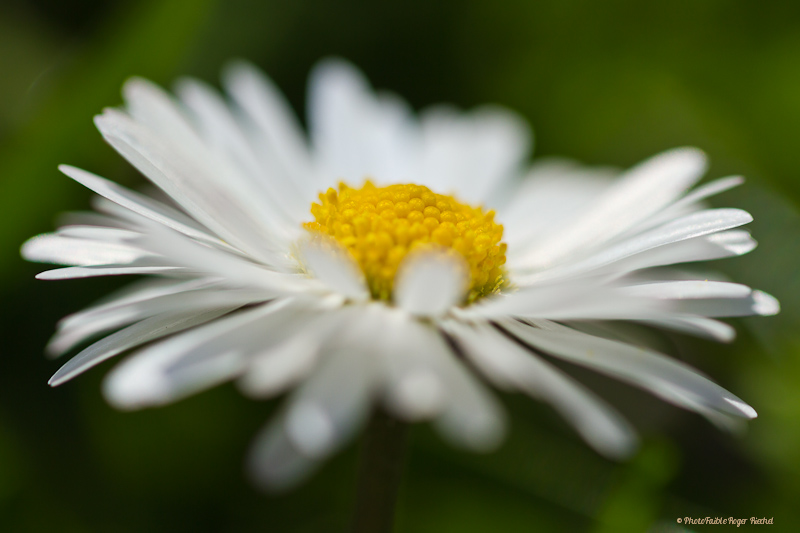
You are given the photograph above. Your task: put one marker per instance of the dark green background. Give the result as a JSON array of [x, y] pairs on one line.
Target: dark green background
[[605, 82]]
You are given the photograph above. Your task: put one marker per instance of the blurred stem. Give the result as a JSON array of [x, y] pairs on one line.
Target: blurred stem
[[380, 473]]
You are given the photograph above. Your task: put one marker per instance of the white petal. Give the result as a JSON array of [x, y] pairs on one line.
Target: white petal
[[690, 201], [466, 413], [429, 284], [705, 248], [275, 462], [241, 145], [552, 193], [327, 411], [413, 386], [756, 303], [696, 325], [234, 269], [689, 289], [640, 192], [707, 190], [336, 399], [508, 364], [709, 298], [59, 249], [355, 133], [688, 227], [416, 395], [471, 416], [330, 406], [94, 233], [139, 204], [109, 270], [150, 105], [568, 300], [272, 115], [133, 292], [279, 367], [334, 267], [142, 332], [291, 355], [79, 326], [671, 380], [194, 360], [223, 203], [90, 218], [474, 153], [84, 326]]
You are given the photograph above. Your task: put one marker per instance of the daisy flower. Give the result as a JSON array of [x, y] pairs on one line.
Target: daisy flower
[[386, 259]]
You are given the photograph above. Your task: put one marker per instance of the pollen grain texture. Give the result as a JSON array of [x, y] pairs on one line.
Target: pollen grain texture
[[379, 226]]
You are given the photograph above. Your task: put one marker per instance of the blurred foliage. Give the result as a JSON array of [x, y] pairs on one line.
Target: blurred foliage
[[605, 82]]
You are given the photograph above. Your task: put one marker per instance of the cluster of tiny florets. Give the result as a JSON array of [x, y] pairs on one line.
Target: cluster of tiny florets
[[379, 226]]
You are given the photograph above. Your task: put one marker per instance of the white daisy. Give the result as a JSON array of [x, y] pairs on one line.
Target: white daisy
[[362, 265]]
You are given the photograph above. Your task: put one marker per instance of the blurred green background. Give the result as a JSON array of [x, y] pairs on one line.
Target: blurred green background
[[605, 82]]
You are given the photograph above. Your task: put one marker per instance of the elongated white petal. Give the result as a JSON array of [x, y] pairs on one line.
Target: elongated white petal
[[640, 192], [84, 326], [222, 203], [691, 201], [472, 154], [91, 218], [193, 360], [695, 325], [711, 188], [333, 266], [290, 355], [150, 105], [274, 461], [140, 333], [217, 124], [552, 193], [688, 227], [263, 101], [239, 143], [153, 108], [274, 119], [137, 291], [59, 249], [132, 293], [509, 364], [412, 383], [139, 204], [664, 377], [565, 301], [213, 262], [417, 360], [709, 298], [704, 248], [429, 284], [95, 233], [323, 413], [356, 134], [471, 416], [756, 303], [689, 289], [335, 90], [108, 270]]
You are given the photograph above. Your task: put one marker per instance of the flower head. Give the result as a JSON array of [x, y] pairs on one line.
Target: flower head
[[365, 263]]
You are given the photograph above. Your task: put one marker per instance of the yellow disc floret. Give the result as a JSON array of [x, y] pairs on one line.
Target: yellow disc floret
[[379, 226]]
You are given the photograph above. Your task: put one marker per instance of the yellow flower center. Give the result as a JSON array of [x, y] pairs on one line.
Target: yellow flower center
[[380, 226]]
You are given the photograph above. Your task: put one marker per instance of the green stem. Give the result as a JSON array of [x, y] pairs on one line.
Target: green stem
[[380, 474]]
